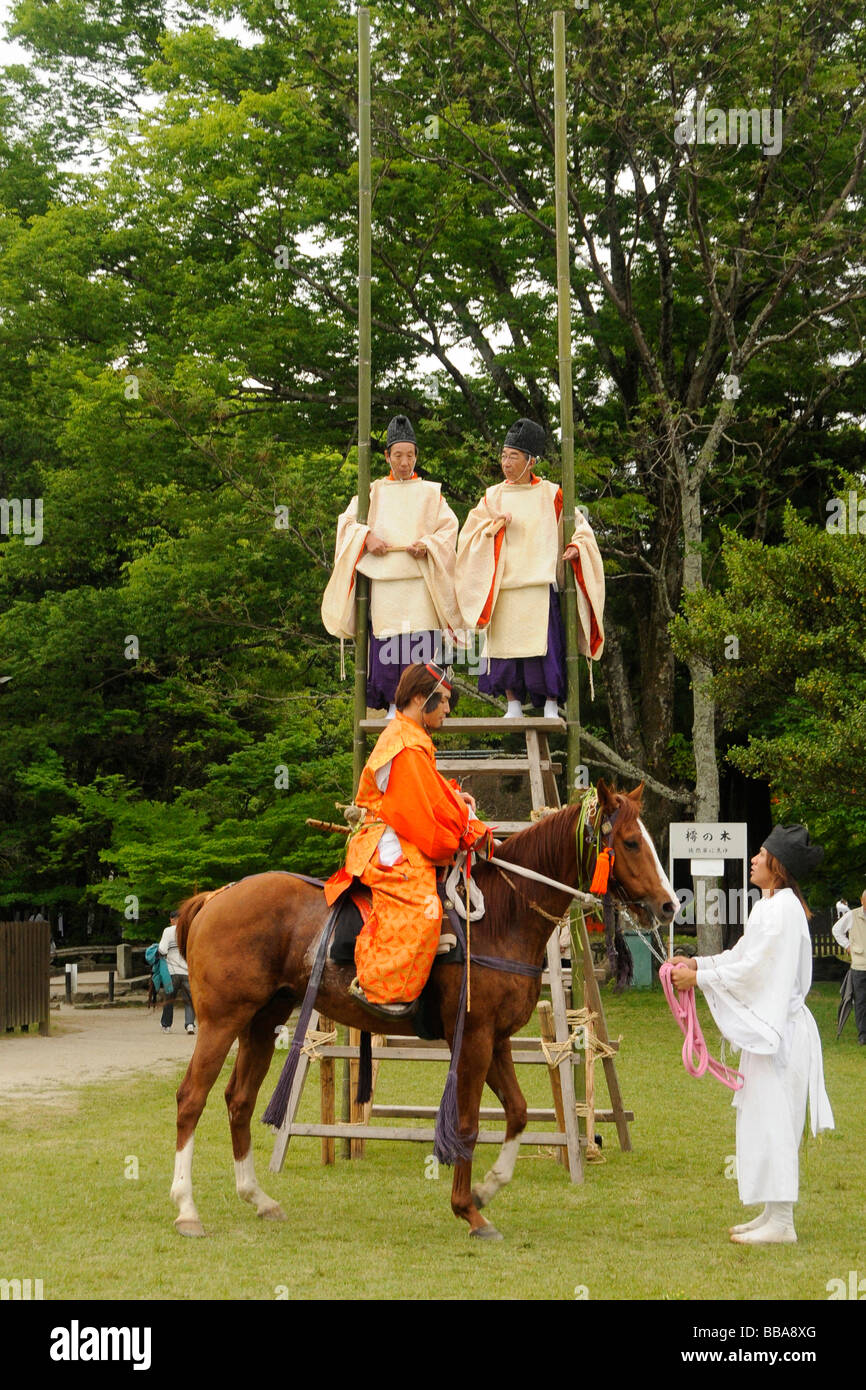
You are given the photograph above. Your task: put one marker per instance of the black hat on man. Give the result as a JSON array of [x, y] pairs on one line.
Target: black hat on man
[[526, 436], [790, 845], [400, 431]]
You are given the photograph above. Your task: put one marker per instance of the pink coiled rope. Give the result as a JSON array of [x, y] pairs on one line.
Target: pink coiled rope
[[696, 1057]]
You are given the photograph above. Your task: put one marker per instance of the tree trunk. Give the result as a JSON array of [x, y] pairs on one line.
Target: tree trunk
[[623, 719], [703, 721]]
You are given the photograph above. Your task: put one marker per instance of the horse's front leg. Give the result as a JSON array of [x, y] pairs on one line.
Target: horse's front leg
[[471, 1072], [502, 1080]]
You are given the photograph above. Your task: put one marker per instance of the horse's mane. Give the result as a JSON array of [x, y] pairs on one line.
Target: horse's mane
[[545, 843], [548, 846], [543, 846]]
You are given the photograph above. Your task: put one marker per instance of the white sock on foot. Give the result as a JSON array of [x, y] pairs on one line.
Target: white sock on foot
[[551, 710], [778, 1229], [782, 1213], [754, 1223], [392, 710], [514, 710]]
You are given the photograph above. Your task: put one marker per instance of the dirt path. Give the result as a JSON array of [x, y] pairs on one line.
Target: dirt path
[[88, 1045]]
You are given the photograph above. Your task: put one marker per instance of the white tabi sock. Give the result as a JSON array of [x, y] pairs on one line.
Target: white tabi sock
[[778, 1229], [551, 709], [754, 1223], [782, 1213], [514, 710], [392, 711]]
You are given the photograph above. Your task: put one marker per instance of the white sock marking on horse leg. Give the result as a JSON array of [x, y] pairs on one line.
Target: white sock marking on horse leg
[[662, 875], [181, 1187], [501, 1173], [248, 1187]]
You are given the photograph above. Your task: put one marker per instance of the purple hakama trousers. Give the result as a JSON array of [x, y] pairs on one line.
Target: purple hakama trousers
[[541, 677], [389, 657]]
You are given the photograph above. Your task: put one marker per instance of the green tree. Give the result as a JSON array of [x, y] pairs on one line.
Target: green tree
[[785, 640]]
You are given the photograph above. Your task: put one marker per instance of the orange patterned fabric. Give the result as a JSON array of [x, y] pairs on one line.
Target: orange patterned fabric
[[396, 948]]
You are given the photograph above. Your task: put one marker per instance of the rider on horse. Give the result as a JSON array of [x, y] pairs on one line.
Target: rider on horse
[[415, 820]]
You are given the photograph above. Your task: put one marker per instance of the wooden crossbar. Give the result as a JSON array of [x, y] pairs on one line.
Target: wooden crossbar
[[423, 1136], [484, 725], [487, 1112]]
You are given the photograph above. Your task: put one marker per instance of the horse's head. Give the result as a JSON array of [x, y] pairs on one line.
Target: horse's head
[[637, 871]]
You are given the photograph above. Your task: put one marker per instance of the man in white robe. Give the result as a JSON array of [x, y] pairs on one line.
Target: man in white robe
[[407, 550], [850, 932], [756, 993], [510, 569]]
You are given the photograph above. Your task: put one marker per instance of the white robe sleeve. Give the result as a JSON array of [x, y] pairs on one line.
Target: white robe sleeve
[[590, 598], [437, 568], [750, 988], [476, 564], [338, 600]]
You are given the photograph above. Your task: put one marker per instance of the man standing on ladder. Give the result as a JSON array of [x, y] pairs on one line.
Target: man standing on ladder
[[415, 820], [407, 551], [510, 560]]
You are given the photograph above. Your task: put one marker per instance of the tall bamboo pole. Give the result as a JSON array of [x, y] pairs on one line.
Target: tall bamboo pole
[[563, 298], [581, 961], [362, 587], [362, 583]]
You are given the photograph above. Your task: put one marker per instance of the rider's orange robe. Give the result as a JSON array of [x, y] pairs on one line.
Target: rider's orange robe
[[397, 945]]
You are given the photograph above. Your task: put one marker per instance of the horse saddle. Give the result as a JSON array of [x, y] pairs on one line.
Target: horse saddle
[[354, 909]]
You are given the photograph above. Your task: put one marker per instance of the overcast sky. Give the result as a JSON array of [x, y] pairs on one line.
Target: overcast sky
[[13, 53], [9, 52]]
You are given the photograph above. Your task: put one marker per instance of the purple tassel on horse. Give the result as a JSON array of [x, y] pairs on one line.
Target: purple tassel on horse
[[279, 1102], [448, 1146]]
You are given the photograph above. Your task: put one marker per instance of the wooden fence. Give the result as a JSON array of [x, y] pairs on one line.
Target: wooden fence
[[824, 943], [25, 950]]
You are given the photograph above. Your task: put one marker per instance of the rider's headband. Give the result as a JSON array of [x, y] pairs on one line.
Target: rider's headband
[[441, 677]]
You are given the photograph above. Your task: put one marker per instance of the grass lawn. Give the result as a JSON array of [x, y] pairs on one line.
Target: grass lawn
[[651, 1224]]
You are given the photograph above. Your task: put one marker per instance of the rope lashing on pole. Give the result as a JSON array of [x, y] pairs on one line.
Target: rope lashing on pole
[[314, 1040]]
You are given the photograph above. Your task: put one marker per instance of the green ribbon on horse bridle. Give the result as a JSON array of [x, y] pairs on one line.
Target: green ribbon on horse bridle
[[603, 826]]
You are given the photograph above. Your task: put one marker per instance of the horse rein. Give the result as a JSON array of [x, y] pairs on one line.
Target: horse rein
[[534, 905]]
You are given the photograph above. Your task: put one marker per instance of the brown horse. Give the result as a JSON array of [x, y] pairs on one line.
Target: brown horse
[[250, 950]]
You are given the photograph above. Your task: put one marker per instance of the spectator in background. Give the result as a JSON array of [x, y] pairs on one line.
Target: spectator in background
[[850, 932], [177, 968]]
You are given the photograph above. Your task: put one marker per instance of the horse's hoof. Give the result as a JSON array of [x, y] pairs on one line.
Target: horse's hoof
[[486, 1232], [188, 1228], [478, 1200], [274, 1213]]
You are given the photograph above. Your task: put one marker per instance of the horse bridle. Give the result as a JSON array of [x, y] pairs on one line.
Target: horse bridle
[[612, 899], [609, 899]]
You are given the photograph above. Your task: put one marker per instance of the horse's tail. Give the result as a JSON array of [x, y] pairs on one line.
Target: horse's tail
[[186, 912], [365, 1070]]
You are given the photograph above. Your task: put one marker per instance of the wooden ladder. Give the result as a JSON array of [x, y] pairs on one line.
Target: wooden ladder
[[553, 1017]]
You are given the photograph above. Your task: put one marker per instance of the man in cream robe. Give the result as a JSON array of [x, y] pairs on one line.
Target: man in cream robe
[[407, 551], [756, 993], [510, 567], [850, 932]]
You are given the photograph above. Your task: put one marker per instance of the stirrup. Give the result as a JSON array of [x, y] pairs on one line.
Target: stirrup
[[382, 1010]]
